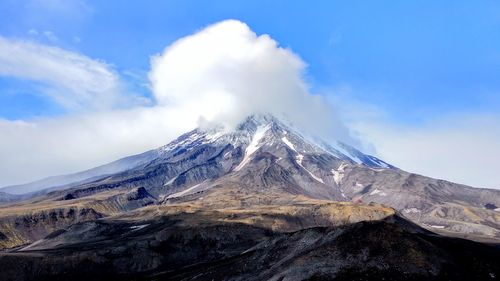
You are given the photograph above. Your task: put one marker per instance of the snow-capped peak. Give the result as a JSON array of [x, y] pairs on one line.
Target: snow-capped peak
[[257, 130], [249, 136]]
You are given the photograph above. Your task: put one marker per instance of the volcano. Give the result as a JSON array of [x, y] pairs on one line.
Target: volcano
[[262, 201]]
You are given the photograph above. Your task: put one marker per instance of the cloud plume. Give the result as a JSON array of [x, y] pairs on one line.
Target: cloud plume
[[226, 72]]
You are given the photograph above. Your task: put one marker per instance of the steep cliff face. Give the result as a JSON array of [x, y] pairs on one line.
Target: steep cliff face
[[27, 223], [28, 227]]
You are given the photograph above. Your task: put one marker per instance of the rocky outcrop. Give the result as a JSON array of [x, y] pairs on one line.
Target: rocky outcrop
[[30, 226]]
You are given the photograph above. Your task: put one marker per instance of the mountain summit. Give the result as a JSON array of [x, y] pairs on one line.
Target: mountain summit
[[264, 151], [266, 130]]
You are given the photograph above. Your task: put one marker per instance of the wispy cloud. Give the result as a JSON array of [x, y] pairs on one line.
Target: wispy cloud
[[71, 79], [45, 35], [461, 147], [33, 149]]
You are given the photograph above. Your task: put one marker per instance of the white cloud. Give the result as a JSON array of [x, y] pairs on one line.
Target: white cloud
[[38, 148], [33, 32], [51, 36], [459, 147], [462, 148], [46, 35], [227, 72], [72, 80]]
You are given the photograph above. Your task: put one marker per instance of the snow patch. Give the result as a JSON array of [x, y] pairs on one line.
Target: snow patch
[[339, 173], [299, 159], [170, 181], [253, 146], [214, 136], [381, 163], [437, 226], [379, 192], [137, 227], [342, 167], [347, 153], [411, 210], [288, 143], [184, 192], [32, 245], [337, 176]]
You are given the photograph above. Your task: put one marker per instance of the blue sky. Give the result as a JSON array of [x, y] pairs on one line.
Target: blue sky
[[418, 65], [409, 57]]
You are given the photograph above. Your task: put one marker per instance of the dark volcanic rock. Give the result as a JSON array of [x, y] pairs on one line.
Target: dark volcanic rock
[[490, 206], [33, 226], [167, 249], [140, 193]]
